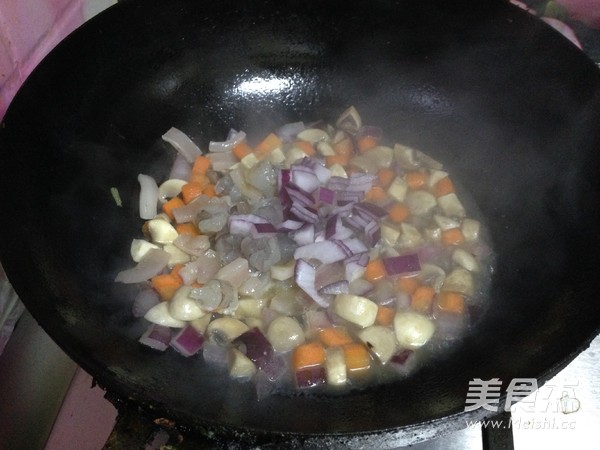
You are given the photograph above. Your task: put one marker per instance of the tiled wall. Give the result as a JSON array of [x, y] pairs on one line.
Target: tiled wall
[[29, 29]]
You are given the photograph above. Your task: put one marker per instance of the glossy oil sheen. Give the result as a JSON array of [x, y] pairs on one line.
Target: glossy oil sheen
[[509, 106]]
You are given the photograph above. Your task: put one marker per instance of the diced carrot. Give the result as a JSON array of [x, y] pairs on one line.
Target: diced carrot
[[366, 143], [196, 285], [443, 187], [308, 355], [267, 145], [344, 147], [385, 316], [422, 298], [356, 356], [398, 213], [386, 176], [415, 180], [201, 165], [305, 146], [337, 159], [209, 191], [187, 228], [168, 207], [375, 270], [334, 336], [408, 285], [191, 190], [453, 236], [166, 285], [451, 302], [199, 178], [241, 150], [175, 271], [376, 194]]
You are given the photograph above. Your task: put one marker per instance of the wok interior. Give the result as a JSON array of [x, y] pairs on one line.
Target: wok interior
[[465, 85]]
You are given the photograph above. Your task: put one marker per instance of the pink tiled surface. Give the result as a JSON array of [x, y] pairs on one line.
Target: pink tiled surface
[[29, 29], [85, 419]]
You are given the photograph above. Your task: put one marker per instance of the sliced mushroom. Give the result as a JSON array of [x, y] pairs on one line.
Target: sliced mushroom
[[183, 307], [240, 366], [413, 330], [465, 260], [159, 314], [349, 120], [285, 333], [224, 330], [161, 231], [459, 280], [381, 341]]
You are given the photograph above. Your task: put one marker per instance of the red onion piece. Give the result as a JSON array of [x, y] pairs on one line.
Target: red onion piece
[[325, 251], [355, 266], [284, 177], [157, 337], [304, 214], [360, 181], [402, 264], [151, 264], [304, 235], [322, 173], [144, 300], [304, 178], [188, 341], [265, 229], [335, 229], [290, 225], [310, 377], [329, 273], [371, 210], [275, 367], [338, 183], [299, 195], [372, 233], [258, 348], [305, 276], [344, 197], [403, 361], [182, 143], [356, 222], [354, 245], [248, 225], [335, 288], [326, 195]]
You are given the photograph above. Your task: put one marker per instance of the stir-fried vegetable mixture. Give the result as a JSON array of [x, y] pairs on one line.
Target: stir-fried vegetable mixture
[[318, 256]]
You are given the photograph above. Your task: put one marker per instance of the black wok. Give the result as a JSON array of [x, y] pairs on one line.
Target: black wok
[[508, 105]]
